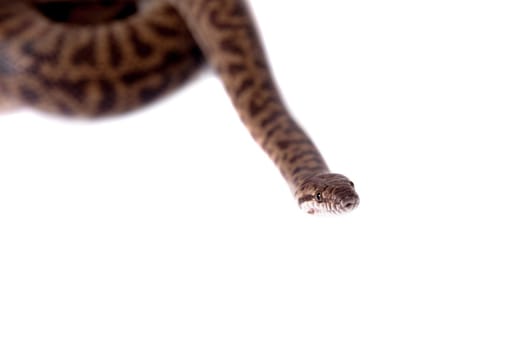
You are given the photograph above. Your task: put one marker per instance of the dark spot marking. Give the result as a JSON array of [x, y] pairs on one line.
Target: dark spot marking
[[256, 108], [142, 49], [272, 118], [221, 23], [30, 49], [29, 95], [170, 11], [85, 54], [245, 85], [292, 129], [171, 58], [301, 169], [115, 51], [231, 45], [64, 109], [134, 76], [76, 89], [238, 10], [151, 93], [109, 97], [268, 84], [287, 143], [269, 135], [310, 152], [236, 68]]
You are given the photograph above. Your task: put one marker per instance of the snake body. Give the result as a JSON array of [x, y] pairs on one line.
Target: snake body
[[108, 57]]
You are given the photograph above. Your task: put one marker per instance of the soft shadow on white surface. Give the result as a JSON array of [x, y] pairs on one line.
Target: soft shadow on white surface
[[170, 228]]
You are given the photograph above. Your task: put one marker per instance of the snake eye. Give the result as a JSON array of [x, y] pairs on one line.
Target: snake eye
[[319, 197]]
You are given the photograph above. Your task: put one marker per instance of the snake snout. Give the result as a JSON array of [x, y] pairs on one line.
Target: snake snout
[[350, 202]]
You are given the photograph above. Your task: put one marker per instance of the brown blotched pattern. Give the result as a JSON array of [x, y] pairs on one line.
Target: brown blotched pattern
[[94, 68], [76, 66]]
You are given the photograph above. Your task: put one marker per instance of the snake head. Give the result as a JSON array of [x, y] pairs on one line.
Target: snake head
[[327, 194]]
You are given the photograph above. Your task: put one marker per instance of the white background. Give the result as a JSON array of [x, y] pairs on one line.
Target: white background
[[171, 229]]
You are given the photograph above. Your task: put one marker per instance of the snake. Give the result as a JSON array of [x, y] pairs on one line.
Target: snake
[[95, 58]]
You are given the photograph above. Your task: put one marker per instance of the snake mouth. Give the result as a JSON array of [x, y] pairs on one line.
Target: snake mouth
[[342, 206]]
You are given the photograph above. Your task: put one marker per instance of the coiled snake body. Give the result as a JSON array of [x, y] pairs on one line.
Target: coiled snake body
[[107, 57]]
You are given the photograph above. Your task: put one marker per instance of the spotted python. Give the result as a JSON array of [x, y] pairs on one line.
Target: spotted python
[[104, 57]]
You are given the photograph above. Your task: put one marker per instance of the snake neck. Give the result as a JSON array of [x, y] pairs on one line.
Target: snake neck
[[235, 51]]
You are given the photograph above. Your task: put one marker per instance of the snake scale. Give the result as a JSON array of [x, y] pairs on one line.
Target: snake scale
[[105, 57]]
